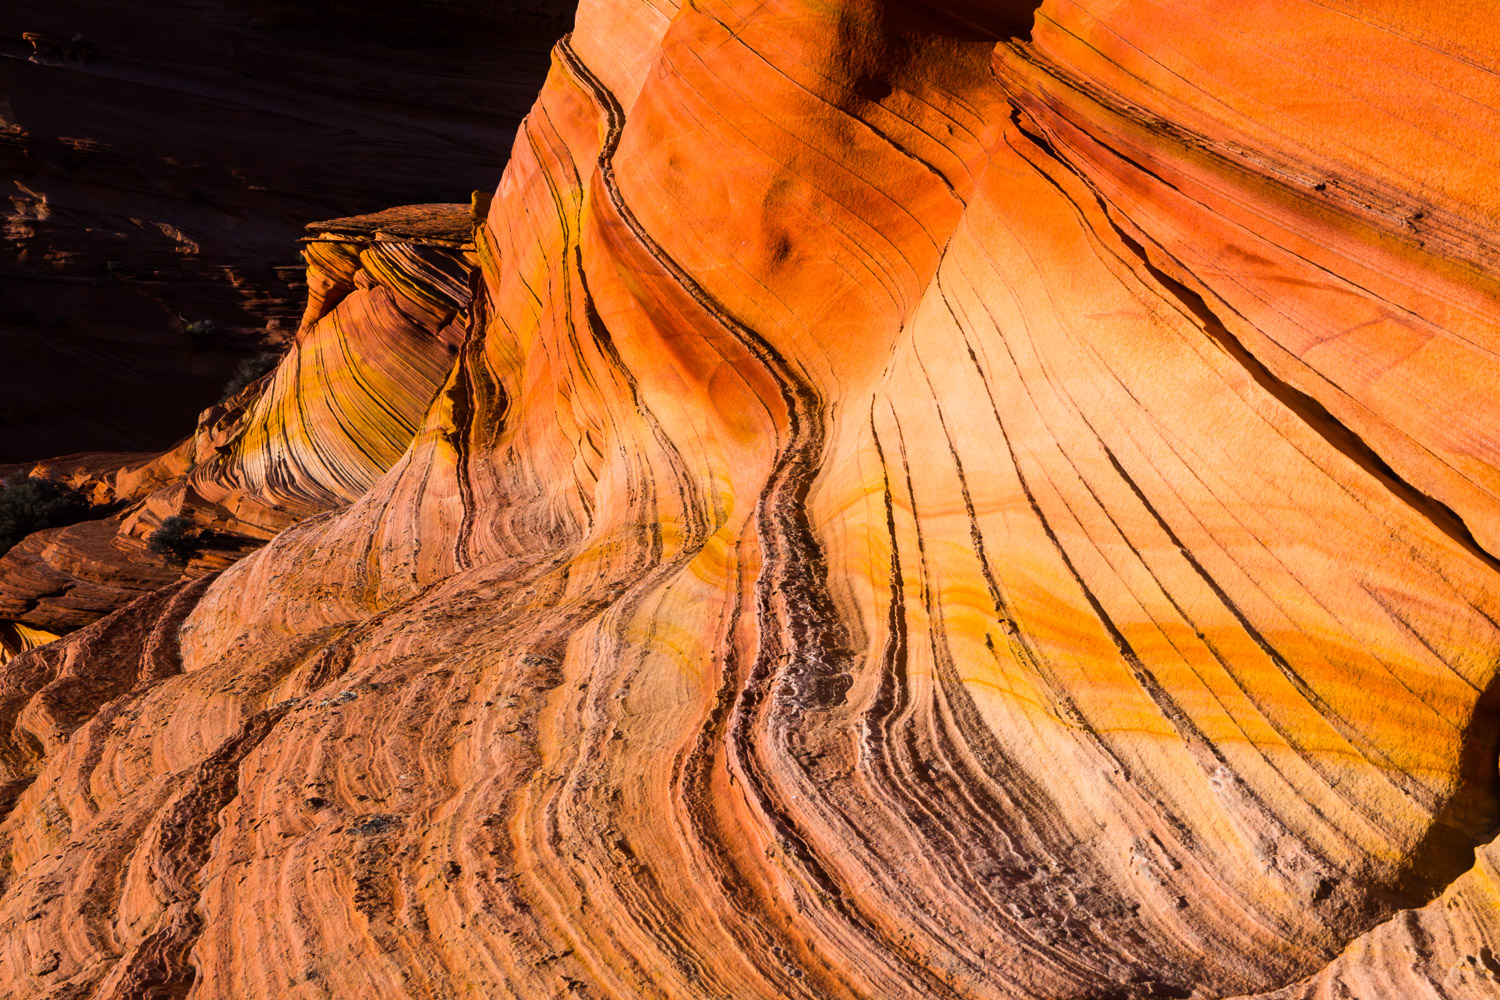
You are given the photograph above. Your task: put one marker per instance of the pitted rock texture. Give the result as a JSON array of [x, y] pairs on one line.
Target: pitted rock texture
[[929, 501]]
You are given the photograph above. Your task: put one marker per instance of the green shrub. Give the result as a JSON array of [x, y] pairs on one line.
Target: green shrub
[[248, 371], [28, 505], [176, 541], [200, 329]]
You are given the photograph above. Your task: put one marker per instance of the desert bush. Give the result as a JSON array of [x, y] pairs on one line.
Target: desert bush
[[28, 505], [176, 541], [248, 371], [200, 329]]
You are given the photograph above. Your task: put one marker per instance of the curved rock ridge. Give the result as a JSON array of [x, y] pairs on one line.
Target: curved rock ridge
[[384, 317], [981, 501]]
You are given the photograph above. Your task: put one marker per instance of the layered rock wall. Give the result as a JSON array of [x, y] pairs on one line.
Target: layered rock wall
[[963, 502]]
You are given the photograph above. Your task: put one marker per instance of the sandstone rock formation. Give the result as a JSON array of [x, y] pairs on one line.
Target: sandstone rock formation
[[16, 639], [388, 300], [963, 501]]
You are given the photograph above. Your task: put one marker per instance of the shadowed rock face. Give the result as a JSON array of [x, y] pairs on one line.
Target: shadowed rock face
[[157, 167], [388, 301], [912, 512]]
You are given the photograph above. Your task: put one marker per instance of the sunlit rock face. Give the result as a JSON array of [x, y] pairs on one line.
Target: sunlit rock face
[[922, 506], [16, 639]]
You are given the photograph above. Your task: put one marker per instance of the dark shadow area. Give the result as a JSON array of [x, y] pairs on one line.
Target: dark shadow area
[[1471, 817], [969, 20], [158, 165]]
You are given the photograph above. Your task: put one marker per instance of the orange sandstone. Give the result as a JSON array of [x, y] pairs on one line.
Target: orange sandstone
[[926, 501]]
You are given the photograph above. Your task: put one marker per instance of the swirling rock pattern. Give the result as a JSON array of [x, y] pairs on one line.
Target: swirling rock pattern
[[928, 501], [16, 639]]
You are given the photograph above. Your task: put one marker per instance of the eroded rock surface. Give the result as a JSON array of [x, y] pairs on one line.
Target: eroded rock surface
[[928, 501]]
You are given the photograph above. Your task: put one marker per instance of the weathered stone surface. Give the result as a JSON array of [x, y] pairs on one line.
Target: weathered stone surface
[[928, 501]]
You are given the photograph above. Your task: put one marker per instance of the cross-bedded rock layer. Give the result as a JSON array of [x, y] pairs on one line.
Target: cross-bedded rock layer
[[929, 501]]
